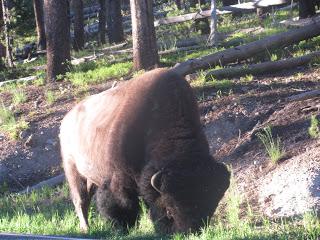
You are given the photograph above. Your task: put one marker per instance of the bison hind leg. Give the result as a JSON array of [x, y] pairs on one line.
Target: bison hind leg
[[121, 207]]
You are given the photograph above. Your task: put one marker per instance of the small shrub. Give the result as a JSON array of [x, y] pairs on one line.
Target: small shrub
[[273, 146], [274, 57], [50, 97], [18, 96], [247, 78], [313, 130]]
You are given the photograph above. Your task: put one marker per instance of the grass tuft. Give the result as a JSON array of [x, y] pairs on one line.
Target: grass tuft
[[18, 96], [313, 130], [273, 146], [9, 124], [50, 97]]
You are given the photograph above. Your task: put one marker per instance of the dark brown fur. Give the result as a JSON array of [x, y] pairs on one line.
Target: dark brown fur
[[118, 139]]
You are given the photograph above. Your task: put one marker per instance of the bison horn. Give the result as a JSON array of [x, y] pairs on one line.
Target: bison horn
[[155, 181]]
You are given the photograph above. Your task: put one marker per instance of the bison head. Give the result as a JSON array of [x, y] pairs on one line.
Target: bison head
[[187, 194]]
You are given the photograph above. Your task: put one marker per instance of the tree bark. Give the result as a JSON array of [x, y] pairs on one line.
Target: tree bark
[[213, 25], [229, 2], [178, 4], [39, 16], [307, 8], [57, 25], [102, 21], [248, 50], [114, 22], [6, 26], [262, 68], [78, 24], [145, 54]]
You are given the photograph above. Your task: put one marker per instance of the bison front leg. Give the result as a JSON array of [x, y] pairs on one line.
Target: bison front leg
[[81, 191], [120, 204]]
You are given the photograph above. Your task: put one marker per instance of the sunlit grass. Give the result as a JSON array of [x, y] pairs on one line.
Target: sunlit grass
[[273, 146], [9, 124], [99, 74], [50, 212]]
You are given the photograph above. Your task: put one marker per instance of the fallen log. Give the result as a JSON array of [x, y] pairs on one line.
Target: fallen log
[[262, 68], [296, 22], [52, 182], [304, 95], [25, 79], [248, 50]]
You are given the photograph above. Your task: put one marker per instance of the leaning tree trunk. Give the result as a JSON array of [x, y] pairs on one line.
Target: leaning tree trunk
[[306, 8], [57, 25], [6, 28], [38, 12], [78, 24], [102, 22], [145, 53], [114, 22]]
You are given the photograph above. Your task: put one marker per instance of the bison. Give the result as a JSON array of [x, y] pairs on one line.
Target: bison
[[143, 139]]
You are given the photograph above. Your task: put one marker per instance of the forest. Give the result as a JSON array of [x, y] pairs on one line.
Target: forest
[[253, 67]]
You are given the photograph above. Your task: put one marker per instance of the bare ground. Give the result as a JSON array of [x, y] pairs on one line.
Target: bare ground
[[230, 121]]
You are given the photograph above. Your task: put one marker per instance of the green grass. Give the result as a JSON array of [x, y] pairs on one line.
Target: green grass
[[50, 97], [9, 124], [50, 212], [18, 96], [273, 146], [99, 74], [313, 130]]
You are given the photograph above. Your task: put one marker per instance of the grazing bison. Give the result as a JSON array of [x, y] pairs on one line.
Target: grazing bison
[[142, 139]]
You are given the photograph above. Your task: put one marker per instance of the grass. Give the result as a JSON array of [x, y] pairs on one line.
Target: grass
[[98, 74], [273, 146], [50, 212], [9, 124], [50, 97], [18, 96], [313, 130]]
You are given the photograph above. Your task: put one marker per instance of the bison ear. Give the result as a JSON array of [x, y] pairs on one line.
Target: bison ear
[[156, 181]]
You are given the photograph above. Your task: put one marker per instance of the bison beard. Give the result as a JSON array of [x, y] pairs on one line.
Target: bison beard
[[142, 139]]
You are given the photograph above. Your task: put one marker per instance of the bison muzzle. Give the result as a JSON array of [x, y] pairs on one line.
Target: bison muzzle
[[143, 139]]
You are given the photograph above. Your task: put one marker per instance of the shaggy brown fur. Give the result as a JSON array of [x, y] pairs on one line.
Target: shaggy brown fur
[[118, 139]]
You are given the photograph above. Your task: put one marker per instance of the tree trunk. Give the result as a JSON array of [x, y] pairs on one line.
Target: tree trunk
[[248, 50], [262, 68], [178, 4], [306, 8], [6, 26], [145, 53], [114, 22], [78, 41], [1, 16], [57, 25], [229, 2], [102, 22], [213, 25], [39, 16]]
